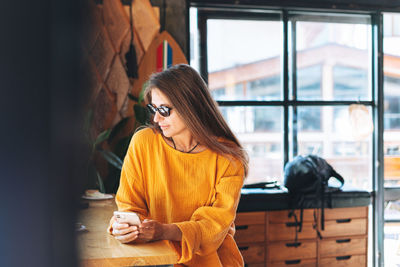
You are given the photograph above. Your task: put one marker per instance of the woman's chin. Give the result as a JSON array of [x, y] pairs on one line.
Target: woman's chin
[[166, 133]]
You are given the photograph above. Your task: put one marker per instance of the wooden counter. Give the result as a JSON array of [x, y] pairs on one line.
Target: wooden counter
[[98, 248]]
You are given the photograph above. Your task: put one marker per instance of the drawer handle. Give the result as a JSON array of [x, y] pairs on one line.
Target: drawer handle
[[243, 248], [294, 244], [341, 258], [292, 262], [292, 224], [242, 227], [343, 220], [343, 240]]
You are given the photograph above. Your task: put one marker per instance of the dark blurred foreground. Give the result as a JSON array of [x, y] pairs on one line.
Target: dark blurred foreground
[[40, 145]]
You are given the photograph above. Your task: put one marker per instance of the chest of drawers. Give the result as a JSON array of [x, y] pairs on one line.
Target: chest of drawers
[[268, 238]]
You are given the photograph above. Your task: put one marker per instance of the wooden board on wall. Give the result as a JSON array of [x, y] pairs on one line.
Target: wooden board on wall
[[118, 82], [102, 53], [116, 22], [91, 24], [104, 110], [146, 22]]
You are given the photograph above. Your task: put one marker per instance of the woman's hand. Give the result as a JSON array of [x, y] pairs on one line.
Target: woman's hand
[[124, 232], [151, 230]]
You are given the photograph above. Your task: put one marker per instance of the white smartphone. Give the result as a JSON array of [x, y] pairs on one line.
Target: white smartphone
[[127, 217]]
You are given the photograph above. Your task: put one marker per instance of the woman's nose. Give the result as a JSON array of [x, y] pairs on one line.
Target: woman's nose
[[157, 117]]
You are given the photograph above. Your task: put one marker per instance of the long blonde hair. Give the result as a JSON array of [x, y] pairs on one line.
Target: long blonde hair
[[190, 96]]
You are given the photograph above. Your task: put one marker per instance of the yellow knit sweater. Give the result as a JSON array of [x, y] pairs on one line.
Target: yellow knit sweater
[[199, 192]]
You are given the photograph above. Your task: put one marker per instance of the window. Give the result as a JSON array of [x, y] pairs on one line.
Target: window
[[329, 66], [392, 101], [309, 81], [350, 83], [391, 138]]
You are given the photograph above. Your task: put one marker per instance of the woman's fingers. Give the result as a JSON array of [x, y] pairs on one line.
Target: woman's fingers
[[124, 231], [119, 226], [128, 237]]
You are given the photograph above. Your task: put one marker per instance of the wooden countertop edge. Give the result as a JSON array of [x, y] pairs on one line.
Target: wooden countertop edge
[[163, 259], [127, 261]]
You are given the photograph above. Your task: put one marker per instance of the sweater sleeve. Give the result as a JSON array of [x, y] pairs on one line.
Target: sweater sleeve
[[130, 195], [209, 225]]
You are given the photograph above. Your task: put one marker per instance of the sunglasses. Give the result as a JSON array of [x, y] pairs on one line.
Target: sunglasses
[[162, 110]]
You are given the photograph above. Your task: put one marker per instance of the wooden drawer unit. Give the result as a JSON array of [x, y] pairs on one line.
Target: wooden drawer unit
[[250, 237], [345, 222], [345, 227], [287, 231], [250, 233], [342, 246], [254, 264], [344, 261], [344, 213], [246, 218], [284, 251], [268, 238], [282, 216], [295, 263], [253, 253], [250, 227], [282, 227], [345, 238]]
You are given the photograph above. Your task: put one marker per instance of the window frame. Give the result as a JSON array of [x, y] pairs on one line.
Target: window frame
[[286, 15]]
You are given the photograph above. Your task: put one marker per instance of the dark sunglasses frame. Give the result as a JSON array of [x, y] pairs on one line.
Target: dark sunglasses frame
[[162, 110]]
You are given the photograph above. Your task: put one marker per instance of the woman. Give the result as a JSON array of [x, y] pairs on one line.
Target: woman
[[183, 175]]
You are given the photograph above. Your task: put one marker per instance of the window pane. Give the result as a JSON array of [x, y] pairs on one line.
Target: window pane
[[244, 59], [259, 129], [333, 61], [333, 140], [391, 139], [391, 68]]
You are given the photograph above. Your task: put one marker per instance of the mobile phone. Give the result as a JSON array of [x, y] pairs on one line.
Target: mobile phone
[[127, 217]]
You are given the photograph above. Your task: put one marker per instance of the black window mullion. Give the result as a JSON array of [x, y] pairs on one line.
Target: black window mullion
[[293, 55], [377, 156], [291, 103], [285, 82], [202, 25]]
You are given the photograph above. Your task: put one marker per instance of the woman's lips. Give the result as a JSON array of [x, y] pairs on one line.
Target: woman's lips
[[164, 126]]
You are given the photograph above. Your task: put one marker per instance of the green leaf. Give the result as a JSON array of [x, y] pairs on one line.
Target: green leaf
[[112, 159], [102, 136], [141, 114], [86, 126], [100, 183], [118, 127], [141, 94], [132, 97]]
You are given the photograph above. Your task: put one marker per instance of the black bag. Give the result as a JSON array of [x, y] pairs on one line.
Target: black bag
[[309, 175]]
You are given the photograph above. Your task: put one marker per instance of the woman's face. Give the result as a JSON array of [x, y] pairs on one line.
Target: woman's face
[[172, 125]]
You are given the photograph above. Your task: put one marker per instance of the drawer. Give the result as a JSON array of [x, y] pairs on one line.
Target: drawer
[[247, 218], [254, 253], [287, 231], [342, 246], [284, 251], [344, 261], [295, 263], [254, 265], [344, 213], [282, 216], [250, 233], [345, 227]]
